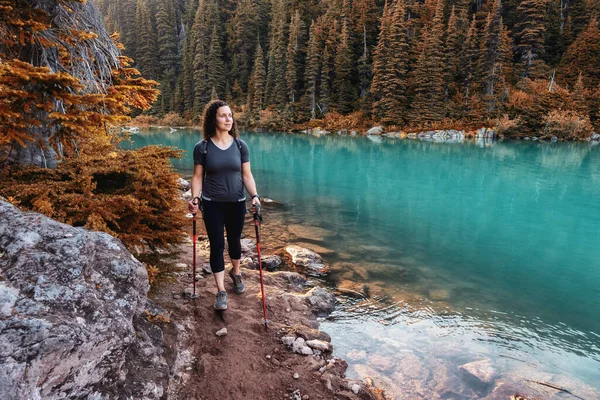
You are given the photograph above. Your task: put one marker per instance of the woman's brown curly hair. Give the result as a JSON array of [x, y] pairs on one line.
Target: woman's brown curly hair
[[209, 120]]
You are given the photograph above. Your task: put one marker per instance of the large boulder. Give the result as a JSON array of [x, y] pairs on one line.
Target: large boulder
[[68, 297]]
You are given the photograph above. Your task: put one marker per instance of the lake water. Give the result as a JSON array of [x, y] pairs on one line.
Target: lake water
[[473, 251]]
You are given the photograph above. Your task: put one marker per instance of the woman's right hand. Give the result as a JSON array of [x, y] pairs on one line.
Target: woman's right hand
[[193, 205]]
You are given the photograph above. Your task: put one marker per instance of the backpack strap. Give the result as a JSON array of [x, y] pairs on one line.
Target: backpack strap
[[204, 146], [239, 145]]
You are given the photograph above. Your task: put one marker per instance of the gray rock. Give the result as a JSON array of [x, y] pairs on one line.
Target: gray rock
[[595, 136], [249, 262], [306, 351], [319, 345], [68, 298], [183, 184], [485, 133], [288, 340], [298, 344], [221, 332], [206, 269], [248, 245], [321, 301], [296, 376], [271, 263], [355, 388], [554, 138], [307, 260], [481, 372], [376, 130]]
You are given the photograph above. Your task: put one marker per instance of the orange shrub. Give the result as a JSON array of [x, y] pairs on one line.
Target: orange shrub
[[567, 124], [174, 119]]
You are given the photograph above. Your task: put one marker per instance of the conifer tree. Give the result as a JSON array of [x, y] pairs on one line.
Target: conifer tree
[[364, 33], [242, 33], [259, 77], [312, 68], [579, 97], [428, 81], [583, 57], [389, 86], [343, 73], [125, 17], [470, 62], [146, 40], [490, 56], [294, 58], [168, 60], [205, 21], [505, 60], [530, 32], [454, 44], [187, 81], [47, 115], [325, 85], [276, 83], [215, 68]]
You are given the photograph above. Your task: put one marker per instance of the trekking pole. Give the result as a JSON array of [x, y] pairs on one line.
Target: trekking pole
[[194, 295], [257, 219]]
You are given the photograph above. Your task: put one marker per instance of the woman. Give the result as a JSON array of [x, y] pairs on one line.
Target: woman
[[221, 170]]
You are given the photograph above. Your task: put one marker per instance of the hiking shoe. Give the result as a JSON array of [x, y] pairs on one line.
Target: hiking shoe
[[221, 302], [238, 284]]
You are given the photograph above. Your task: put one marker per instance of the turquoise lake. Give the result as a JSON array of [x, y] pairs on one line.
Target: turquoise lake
[[497, 242]]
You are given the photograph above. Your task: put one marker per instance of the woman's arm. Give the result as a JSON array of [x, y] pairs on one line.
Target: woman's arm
[[196, 184], [249, 183]]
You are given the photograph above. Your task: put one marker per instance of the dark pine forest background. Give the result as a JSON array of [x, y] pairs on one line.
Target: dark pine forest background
[[528, 67]]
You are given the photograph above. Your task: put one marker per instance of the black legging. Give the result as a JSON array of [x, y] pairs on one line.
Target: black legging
[[231, 216]]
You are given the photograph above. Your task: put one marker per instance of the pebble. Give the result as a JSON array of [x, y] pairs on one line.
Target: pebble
[[287, 310], [221, 332], [296, 376], [305, 397], [188, 368], [268, 356], [356, 388]]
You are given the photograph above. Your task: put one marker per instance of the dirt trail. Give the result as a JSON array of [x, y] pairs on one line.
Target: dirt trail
[[249, 362]]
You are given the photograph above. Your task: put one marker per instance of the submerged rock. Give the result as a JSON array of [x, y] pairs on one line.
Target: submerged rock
[[480, 372], [321, 301], [306, 259], [68, 298]]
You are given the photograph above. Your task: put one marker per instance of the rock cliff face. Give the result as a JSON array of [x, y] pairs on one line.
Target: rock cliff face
[[68, 297]]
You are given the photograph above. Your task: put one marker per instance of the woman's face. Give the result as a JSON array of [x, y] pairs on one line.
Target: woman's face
[[224, 119]]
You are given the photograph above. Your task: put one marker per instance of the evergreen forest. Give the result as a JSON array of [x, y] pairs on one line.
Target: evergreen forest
[[529, 67]]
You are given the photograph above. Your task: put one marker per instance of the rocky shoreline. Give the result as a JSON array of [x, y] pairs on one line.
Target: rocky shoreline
[[76, 323], [377, 132]]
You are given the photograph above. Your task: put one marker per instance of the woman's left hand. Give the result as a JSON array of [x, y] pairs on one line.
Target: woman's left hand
[[255, 201]]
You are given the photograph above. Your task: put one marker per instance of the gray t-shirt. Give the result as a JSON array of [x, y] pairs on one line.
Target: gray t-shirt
[[222, 170]]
